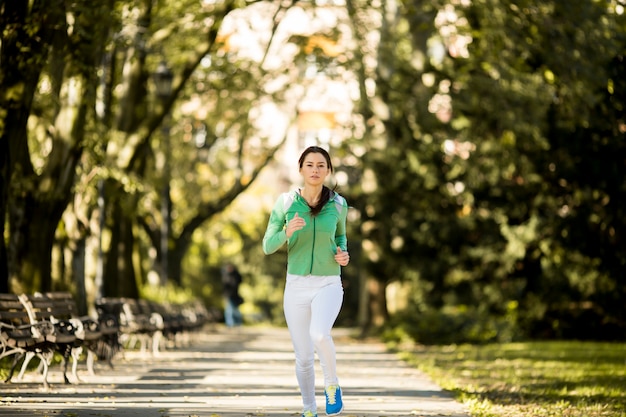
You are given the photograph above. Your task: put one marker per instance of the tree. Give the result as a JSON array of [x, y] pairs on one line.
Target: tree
[[208, 73], [473, 116], [535, 129], [117, 128], [401, 164], [40, 46]]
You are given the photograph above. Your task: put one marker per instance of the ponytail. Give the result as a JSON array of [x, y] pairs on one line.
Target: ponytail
[[327, 194]]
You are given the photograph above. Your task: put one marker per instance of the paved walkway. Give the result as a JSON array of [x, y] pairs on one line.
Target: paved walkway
[[231, 372]]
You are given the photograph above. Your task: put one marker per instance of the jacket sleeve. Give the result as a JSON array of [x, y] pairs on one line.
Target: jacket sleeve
[[341, 239], [275, 235]]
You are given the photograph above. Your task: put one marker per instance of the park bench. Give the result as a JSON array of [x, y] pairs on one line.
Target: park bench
[[180, 320], [99, 336], [175, 324], [22, 337], [40, 325], [197, 315], [109, 312], [146, 323], [175, 321], [137, 323], [69, 335]]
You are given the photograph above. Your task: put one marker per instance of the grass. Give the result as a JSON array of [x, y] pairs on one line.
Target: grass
[[539, 379]]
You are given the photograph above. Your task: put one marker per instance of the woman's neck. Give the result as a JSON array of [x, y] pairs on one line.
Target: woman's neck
[[312, 195]]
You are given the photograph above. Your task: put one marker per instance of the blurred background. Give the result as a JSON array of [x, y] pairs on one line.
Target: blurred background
[[479, 143]]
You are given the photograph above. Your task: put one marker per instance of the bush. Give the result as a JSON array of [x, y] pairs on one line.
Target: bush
[[452, 325]]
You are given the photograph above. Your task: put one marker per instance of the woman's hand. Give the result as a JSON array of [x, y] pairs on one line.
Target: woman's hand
[[293, 225], [342, 257]]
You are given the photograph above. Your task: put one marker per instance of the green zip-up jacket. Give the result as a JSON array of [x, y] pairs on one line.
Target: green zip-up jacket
[[311, 250]]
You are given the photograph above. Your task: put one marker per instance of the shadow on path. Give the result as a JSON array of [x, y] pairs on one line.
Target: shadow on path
[[246, 371]]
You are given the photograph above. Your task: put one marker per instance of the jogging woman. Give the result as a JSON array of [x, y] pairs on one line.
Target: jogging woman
[[312, 221]]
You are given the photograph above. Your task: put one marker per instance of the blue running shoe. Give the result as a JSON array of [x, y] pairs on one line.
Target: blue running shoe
[[334, 403], [309, 413]]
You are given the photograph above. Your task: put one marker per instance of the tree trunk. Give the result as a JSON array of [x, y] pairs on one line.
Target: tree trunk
[[75, 250], [4, 179], [377, 302], [78, 274], [22, 52], [364, 315], [175, 264], [119, 273], [33, 226]]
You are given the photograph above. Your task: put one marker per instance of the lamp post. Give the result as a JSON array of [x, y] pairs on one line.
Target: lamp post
[[163, 78]]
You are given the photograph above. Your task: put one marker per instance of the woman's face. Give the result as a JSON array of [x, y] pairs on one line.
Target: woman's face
[[314, 169]]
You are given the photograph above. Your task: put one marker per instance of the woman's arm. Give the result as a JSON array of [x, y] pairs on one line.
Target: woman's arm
[[341, 240], [275, 235]]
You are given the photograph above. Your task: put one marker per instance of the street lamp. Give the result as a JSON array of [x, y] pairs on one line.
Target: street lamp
[[163, 78]]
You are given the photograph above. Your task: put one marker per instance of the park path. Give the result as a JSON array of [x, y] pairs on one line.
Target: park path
[[247, 371]]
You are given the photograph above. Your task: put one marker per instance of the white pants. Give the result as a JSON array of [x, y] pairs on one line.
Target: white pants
[[311, 305]]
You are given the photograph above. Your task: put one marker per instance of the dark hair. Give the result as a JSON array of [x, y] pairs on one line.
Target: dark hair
[[327, 193], [315, 149]]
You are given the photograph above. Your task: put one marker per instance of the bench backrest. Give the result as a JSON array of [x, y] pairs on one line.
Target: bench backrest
[[12, 311], [63, 305], [39, 307], [18, 326]]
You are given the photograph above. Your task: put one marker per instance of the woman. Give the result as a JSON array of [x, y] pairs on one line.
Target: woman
[[312, 221]]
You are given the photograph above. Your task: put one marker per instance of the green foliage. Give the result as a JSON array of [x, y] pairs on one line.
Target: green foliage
[[234, 236], [453, 324], [501, 193], [169, 293]]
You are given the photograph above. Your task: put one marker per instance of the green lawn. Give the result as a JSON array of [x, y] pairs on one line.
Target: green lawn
[[539, 379]]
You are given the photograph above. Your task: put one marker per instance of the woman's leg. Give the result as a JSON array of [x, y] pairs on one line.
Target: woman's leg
[[297, 309], [324, 311]]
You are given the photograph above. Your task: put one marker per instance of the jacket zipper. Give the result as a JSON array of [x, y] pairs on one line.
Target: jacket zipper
[[312, 248]]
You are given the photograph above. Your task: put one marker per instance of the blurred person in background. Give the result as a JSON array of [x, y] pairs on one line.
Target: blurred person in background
[[231, 280]]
